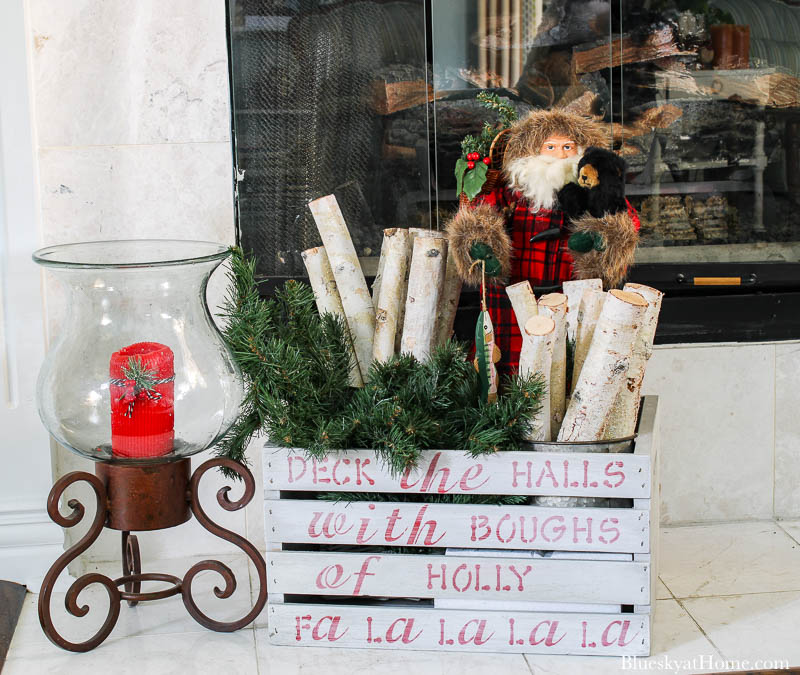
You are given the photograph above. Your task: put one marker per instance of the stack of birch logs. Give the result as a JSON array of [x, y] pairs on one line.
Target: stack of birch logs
[[414, 297], [613, 335], [413, 305]]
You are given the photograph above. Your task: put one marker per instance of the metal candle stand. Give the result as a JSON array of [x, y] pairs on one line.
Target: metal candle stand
[[141, 498]]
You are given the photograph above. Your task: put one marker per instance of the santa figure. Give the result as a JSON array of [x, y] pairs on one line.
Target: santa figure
[[520, 230]]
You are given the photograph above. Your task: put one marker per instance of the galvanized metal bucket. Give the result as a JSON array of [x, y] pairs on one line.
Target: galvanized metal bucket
[[615, 445]]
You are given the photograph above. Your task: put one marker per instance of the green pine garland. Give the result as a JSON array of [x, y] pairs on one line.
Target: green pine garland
[[296, 364]]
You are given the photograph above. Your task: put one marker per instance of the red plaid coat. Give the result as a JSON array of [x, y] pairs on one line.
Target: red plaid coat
[[543, 263]]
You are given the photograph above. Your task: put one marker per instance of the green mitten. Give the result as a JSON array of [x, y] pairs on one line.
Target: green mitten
[[480, 251], [583, 242]]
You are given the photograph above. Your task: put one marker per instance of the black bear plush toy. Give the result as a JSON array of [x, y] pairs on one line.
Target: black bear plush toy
[[600, 188], [604, 229]]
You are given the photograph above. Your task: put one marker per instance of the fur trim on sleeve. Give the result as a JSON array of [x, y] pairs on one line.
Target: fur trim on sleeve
[[611, 265], [483, 224]]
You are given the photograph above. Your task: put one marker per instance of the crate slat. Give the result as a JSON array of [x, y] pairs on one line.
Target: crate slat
[[648, 443], [365, 523], [510, 578], [402, 627], [454, 472]]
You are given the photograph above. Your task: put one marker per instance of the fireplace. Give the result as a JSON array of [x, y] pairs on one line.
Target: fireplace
[[369, 99]]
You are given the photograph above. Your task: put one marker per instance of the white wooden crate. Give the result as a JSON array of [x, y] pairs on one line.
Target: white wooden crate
[[335, 578]]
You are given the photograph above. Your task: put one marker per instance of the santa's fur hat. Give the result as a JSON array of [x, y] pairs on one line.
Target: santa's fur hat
[[526, 136]]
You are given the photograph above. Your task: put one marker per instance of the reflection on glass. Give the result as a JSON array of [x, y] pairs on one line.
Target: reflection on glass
[[701, 99], [328, 97]]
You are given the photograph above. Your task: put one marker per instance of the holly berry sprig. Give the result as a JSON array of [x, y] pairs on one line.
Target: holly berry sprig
[[473, 165], [136, 382], [473, 157]]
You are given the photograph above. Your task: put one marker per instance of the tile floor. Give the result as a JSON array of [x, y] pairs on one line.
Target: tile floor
[[728, 592]]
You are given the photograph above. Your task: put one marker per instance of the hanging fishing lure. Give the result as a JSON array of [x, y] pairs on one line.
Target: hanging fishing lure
[[487, 353]]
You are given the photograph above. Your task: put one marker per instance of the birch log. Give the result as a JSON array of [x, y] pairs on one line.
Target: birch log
[[538, 338], [605, 367], [523, 302], [425, 280], [448, 304], [554, 305], [586, 320], [413, 233], [392, 296], [356, 300], [376, 283], [574, 291], [622, 421], [320, 276], [326, 295]]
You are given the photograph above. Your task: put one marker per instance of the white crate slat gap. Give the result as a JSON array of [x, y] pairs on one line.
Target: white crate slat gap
[[299, 521], [437, 576], [622, 475], [359, 625], [400, 627]]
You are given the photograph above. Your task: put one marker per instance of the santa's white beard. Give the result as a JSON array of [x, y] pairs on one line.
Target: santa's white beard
[[540, 177]]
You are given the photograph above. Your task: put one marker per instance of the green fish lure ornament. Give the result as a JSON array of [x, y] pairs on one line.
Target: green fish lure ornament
[[487, 353]]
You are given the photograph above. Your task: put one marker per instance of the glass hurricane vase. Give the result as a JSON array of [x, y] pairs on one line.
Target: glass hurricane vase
[[138, 372]]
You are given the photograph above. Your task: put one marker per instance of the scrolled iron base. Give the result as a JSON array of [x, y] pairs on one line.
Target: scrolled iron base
[[132, 575]]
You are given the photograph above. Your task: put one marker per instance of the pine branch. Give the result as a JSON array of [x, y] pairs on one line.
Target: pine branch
[[505, 111], [296, 366]]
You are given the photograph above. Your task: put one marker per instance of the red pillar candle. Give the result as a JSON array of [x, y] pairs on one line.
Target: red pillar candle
[[142, 400]]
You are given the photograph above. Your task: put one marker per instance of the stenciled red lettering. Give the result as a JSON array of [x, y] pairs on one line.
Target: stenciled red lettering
[[429, 525], [393, 518], [547, 472], [549, 639], [478, 638], [319, 466], [333, 472], [293, 460], [612, 474], [576, 529], [607, 526], [516, 473], [318, 632], [361, 465], [405, 636], [624, 626], [324, 579], [476, 469], [431, 474], [557, 531], [480, 522]]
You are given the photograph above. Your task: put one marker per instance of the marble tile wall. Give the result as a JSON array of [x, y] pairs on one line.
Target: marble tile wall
[[730, 430], [132, 128], [787, 430]]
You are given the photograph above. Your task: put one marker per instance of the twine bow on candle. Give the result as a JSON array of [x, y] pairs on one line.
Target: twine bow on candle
[[138, 381]]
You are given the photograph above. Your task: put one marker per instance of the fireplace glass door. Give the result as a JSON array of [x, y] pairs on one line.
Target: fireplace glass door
[[701, 99], [328, 97], [370, 99]]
